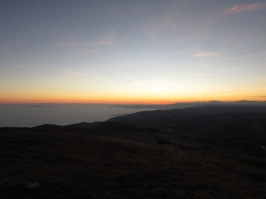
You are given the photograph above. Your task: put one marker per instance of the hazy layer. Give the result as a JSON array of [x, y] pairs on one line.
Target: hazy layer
[[26, 115]]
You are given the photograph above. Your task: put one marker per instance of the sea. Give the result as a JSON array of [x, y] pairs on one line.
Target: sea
[[31, 115]]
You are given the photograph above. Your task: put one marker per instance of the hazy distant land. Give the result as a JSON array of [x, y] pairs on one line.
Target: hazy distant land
[[44, 106]]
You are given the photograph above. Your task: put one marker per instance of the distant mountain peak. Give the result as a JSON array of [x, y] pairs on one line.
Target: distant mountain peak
[[214, 101]]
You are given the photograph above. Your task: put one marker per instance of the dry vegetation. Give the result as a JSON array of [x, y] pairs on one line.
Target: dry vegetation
[[78, 165]]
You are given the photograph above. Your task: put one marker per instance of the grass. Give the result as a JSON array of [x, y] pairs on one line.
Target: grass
[[79, 165]]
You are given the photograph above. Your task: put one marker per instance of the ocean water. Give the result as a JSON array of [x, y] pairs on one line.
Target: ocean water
[[26, 115]]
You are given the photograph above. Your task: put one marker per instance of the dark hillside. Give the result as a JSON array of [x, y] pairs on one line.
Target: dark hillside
[[249, 135], [193, 111], [185, 124], [59, 164]]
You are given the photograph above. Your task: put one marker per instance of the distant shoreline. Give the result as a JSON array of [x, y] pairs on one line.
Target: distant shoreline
[[40, 106]]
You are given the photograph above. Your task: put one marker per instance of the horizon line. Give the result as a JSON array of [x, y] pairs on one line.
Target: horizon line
[[183, 102]]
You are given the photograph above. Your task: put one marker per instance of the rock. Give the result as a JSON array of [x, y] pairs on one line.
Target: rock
[[32, 185]]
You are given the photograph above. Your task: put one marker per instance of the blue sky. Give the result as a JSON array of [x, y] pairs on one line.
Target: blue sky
[[132, 51]]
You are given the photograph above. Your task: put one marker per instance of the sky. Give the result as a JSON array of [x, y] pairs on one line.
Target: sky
[[135, 52]]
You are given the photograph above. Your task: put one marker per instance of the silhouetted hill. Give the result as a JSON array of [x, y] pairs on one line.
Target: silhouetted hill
[[85, 125], [249, 135], [188, 120], [234, 130], [118, 126], [48, 127], [210, 109]]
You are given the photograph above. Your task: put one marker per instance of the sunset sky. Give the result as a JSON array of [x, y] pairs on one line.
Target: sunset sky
[[141, 51]]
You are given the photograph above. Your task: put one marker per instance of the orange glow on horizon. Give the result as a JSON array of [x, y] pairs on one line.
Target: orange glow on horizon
[[121, 100]]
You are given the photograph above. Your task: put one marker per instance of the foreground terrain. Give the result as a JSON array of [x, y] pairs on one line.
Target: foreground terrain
[[67, 163]]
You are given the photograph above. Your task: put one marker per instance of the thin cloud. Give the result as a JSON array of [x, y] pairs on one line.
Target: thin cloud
[[245, 8], [14, 67], [87, 52], [206, 54], [107, 40], [102, 42], [75, 72], [135, 82], [85, 74]]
